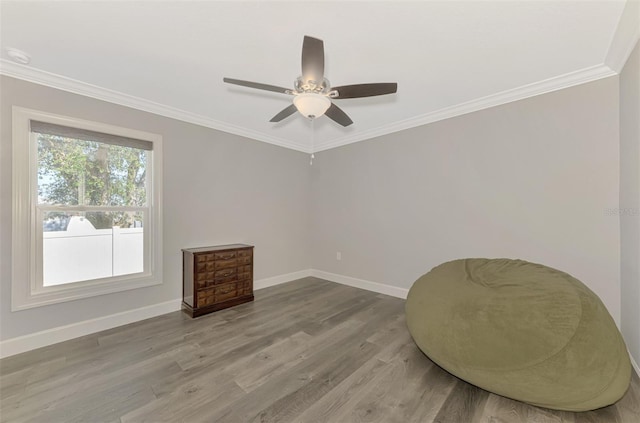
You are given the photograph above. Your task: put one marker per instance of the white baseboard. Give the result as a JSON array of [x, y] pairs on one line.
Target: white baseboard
[[634, 365], [380, 288], [44, 338], [47, 337], [277, 280], [64, 333]]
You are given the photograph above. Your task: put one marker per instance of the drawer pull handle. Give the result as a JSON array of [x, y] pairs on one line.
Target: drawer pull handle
[[227, 257], [228, 274]]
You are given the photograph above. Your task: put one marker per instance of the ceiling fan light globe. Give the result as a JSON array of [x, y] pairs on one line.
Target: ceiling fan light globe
[[311, 105]]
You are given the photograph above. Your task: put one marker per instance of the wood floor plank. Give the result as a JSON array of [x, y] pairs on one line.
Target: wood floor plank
[[374, 317], [432, 395], [106, 399], [543, 415], [294, 378], [395, 397], [607, 414], [306, 351], [71, 394], [272, 365], [21, 361], [411, 370], [203, 392], [464, 404], [213, 360], [395, 329], [392, 397], [338, 367], [16, 383], [353, 388], [346, 394], [629, 405], [499, 409]]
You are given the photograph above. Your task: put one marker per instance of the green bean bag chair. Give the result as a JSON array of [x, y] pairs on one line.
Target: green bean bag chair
[[521, 330]]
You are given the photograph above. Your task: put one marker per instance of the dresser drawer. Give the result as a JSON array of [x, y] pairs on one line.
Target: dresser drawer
[[204, 257], [201, 266], [201, 276], [245, 287], [225, 264], [244, 260], [205, 279], [245, 272], [248, 252], [225, 291], [225, 255], [225, 275], [206, 297]]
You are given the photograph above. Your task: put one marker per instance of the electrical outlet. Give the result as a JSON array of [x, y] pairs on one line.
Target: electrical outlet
[[338, 255]]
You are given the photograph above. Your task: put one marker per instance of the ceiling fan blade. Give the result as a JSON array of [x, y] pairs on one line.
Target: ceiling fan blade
[[312, 59], [257, 85], [286, 112], [335, 113], [365, 90]]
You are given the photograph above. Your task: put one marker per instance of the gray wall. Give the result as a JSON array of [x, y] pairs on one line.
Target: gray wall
[[218, 188], [630, 201], [532, 179]]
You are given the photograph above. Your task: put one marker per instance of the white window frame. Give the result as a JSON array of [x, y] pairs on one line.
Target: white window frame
[[27, 290]]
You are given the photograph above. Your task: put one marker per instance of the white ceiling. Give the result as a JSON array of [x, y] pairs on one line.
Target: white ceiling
[[448, 57]]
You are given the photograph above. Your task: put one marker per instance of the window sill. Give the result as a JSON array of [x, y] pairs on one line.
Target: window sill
[[61, 293]]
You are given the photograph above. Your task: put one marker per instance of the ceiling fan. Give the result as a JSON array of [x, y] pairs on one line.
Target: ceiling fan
[[312, 93]]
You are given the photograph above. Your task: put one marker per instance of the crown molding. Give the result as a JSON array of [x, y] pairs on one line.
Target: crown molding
[[52, 80], [626, 36], [71, 85], [548, 85]]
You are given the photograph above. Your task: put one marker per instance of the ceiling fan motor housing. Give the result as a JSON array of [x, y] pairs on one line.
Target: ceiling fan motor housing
[[311, 86]]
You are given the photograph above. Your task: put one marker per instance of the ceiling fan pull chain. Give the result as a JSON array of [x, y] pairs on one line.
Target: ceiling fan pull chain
[[312, 142]]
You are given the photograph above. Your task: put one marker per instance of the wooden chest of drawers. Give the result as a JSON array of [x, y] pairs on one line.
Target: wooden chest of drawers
[[216, 277]]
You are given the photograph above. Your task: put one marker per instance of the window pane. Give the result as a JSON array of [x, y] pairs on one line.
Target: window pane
[[80, 172], [92, 245]]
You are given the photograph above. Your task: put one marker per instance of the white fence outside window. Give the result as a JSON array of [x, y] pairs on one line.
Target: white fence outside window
[[72, 256]]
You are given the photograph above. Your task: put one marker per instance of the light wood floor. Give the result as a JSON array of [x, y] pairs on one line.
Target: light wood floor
[[306, 351]]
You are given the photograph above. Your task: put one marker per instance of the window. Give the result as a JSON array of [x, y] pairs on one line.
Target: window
[[86, 209]]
